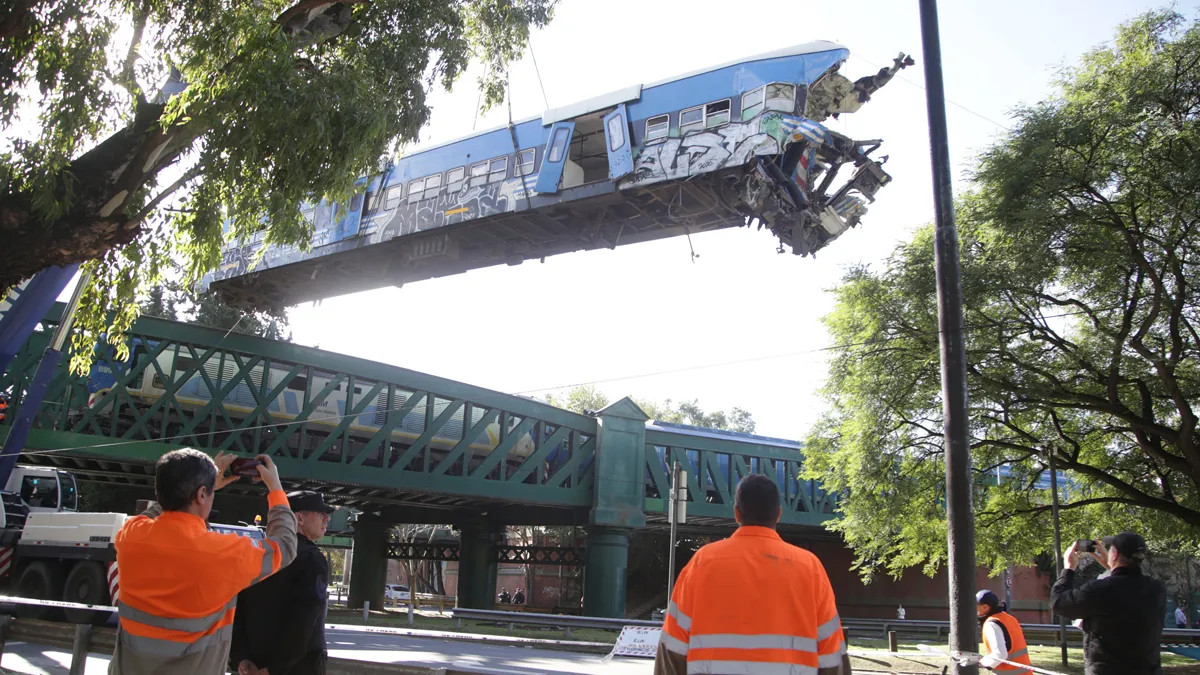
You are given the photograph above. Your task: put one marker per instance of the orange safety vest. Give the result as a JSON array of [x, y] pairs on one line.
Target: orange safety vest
[[1018, 651], [179, 587], [753, 603]]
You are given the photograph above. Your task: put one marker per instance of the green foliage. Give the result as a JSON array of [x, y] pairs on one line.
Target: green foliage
[[285, 101], [1079, 243], [586, 398], [169, 301]]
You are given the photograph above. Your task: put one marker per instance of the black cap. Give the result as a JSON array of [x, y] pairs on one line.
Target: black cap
[[1128, 544], [307, 500], [986, 597]]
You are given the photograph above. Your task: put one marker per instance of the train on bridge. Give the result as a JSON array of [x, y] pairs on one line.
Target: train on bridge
[[180, 384], [724, 146]]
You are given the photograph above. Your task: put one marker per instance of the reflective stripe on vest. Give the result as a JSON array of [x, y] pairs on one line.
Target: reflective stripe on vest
[[748, 668], [150, 633]]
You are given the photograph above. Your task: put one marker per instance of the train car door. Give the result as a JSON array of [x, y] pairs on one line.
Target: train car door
[[616, 135], [348, 218], [555, 157]]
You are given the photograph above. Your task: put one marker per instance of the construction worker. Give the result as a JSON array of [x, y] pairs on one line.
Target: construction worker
[[180, 580], [1003, 638], [3, 408], [753, 603]]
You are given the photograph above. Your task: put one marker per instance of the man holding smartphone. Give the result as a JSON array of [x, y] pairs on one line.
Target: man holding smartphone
[[1122, 613], [180, 580]]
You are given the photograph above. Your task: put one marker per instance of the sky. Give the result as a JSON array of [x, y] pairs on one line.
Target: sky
[[741, 324]]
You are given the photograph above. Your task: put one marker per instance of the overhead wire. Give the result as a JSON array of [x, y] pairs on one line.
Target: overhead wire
[[922, 88]]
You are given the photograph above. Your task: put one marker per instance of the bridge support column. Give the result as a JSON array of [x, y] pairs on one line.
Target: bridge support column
[[605, 571], [369, 567], [477, 565], [618, 507]]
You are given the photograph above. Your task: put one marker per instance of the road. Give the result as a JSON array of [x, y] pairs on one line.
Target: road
[[487, 659]]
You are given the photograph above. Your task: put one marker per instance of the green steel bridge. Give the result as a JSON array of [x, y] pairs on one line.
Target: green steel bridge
[[190, 386]]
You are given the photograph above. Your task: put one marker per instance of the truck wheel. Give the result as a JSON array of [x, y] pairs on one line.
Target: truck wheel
[[41, 581], [86, 585]]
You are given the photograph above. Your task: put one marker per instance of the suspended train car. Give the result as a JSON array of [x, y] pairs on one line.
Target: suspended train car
[[724, 146]]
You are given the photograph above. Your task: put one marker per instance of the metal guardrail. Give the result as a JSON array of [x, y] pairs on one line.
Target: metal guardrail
[[1035, 633], [566, 622]]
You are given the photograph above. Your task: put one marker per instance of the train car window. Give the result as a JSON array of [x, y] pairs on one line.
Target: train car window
[[781, 97], [324, 216], [657, 127], [497, 170], [559, 147], [716, 114], [454, 179], [183, 364], [308, 214], [525, 161], [415, 190], [479, 174], [356, 202], [752, 103], [690, 120], [616, 133], [433, 186], [393, 196], [298, 383]]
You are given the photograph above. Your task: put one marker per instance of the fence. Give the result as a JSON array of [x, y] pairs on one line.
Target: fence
[[566, 622], [1035, 633]]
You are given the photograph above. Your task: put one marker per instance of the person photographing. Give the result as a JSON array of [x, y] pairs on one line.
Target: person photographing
[[1122, 613], [179, 579]]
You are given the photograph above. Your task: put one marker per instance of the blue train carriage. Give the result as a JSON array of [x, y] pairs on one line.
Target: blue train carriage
[[720, 147], [784, 472], [220, 368]]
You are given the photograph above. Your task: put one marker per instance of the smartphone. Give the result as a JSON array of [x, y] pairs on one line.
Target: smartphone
[[1085, 545], [244, 466]]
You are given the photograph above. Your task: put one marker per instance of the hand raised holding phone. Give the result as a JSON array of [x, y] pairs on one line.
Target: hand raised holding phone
[[260, 469]]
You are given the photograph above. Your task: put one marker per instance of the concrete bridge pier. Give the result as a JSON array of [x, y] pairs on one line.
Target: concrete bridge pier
[[477, 556], [368, 569], [604, 574]]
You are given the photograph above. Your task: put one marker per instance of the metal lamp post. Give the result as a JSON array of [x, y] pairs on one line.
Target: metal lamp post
[[676, 514]]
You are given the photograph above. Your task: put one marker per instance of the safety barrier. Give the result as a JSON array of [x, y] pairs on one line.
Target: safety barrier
[[1035, 633], [564, 621]]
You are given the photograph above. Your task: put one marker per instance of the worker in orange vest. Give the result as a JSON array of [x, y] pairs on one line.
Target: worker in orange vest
[[1003, 638], [3, 408], [753, 603], [180, 580]]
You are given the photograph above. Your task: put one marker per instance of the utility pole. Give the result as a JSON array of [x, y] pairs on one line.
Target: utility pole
[[676, 513], [1058, 550], [960, 538]]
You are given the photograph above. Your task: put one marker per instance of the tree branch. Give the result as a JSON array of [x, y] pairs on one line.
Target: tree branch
[[127, 78], [153, 204]]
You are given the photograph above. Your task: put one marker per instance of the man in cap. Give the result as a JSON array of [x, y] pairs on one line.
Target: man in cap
[[1122, 613], [279, 628], [1003, 639]]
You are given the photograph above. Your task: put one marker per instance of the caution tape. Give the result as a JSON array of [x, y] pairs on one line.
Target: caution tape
[[14, 600], [962, 657]]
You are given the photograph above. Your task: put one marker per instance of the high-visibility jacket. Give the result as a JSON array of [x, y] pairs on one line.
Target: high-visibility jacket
[[751, 604], [1014, 644], [179, 586]]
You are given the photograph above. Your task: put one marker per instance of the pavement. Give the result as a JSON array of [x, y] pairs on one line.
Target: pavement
[[494, 658]]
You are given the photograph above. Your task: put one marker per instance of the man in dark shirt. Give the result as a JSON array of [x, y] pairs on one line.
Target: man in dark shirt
[[279, 627], [1122, 613]]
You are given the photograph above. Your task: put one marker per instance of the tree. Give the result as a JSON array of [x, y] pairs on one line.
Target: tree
[[233, 113], [167, 300], [586, 399], [1079, 243]]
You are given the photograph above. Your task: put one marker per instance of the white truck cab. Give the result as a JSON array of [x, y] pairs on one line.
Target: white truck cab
[[44, 489]]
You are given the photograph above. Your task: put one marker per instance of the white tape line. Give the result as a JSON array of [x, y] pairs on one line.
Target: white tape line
[[13, 599], [956, 656]]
